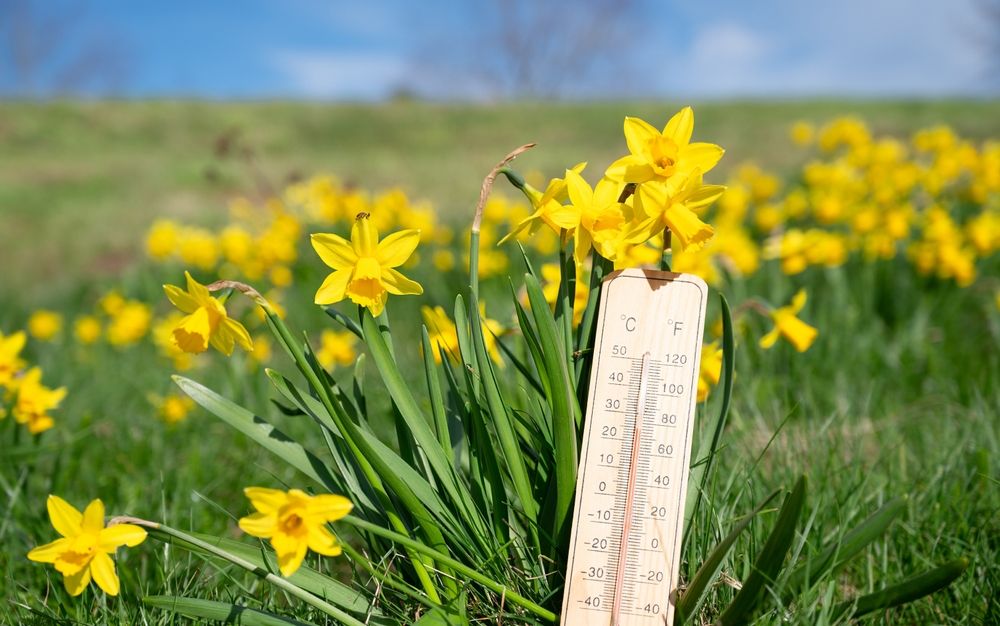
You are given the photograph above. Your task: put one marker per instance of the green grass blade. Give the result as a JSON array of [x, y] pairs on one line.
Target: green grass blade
[[565, 409], [843, 550], [434, 392], [693, 597], [197, 608], [260, 431], [705, 459], [907, 591], [330, 589], [769, 561], [501, 420]]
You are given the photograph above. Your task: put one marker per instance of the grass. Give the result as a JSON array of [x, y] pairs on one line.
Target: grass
[[899, 397]]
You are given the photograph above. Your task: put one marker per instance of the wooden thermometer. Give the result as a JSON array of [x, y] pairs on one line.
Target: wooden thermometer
[[626, 538]]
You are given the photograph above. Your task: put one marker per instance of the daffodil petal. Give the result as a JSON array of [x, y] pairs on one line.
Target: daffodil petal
[[630, 169], [114, 537], [193, 332], [364, 237], [289, 561], [329, 507], [798, 300], [266, 500], [239, 333], [638, 133], [197, 291], [686, 226], [223, 340], [702, 156], [334, 288], [64, 517], [259, 524], [395, 249], [76, 583], [93, 516], [680, 127], [334, 250], [180, 298], [397, 284], [322, 541], [580, 193], [103, 570], [49, 552], [768, 340]]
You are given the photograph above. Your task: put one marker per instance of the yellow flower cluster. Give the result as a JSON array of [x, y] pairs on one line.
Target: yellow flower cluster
[[24, 395]]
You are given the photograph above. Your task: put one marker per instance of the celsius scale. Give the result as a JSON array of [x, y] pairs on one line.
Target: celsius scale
[[632, 481]]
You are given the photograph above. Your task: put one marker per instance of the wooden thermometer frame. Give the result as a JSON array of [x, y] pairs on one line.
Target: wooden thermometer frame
[[628, 518]]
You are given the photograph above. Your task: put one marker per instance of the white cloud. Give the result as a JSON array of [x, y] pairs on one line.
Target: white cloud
[[340, 75]]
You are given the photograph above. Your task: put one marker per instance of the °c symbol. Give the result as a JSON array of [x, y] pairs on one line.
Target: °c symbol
[[630, 323]]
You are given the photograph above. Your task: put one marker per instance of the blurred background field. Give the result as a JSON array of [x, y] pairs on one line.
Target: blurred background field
[[81, 182]]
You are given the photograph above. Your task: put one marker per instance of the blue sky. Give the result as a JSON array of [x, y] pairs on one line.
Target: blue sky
[[311, 49]]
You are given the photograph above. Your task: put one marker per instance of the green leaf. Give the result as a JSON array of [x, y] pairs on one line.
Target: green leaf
[[434, 392], [693, 597], [907, 591], [565, 409], [451, 615], [260, 431], [844, 549], [220, 611], [701, 471], [769, 562], [330, 589]]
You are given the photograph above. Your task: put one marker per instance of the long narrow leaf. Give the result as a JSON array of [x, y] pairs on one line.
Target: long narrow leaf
[[907, 591], [693, 597], [220, 611], [769, 561]]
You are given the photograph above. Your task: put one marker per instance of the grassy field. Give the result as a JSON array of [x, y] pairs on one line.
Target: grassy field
[[81, 182], [899, 397]]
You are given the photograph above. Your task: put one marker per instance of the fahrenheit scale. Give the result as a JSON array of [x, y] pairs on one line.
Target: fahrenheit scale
[[625, 546]]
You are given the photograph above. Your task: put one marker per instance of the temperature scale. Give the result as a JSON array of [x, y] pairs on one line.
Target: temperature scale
[[626, 538]]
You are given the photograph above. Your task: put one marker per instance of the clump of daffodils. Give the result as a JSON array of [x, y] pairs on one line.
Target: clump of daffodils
[[23, 395]]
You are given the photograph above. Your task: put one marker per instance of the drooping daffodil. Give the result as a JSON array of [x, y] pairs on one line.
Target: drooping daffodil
[[207, 322], [787, 325]]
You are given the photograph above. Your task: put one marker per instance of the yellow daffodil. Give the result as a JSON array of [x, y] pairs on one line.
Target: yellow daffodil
[[206, 323], [10, 362], [294, 522], [711, 369], [87, 329], [84, 550], [657, 155], [44, 325], [336, 348], [673, 205], [549, 208], [364, 266], [787, 325], [595, 216], [35, 400], [161, 240]]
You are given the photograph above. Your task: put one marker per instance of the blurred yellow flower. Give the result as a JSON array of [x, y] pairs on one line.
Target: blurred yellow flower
[[161, 240], [657, 155], [129, 324], [444, 335], [787, 325], [87, 329], [35, 400], [44, 325], [364, 266], [111, 303], [173, 408], [802, 133], [10, 361], [336, 348], [206, 322], [262, 349], [294, 522], [711, 369], [83, 551]]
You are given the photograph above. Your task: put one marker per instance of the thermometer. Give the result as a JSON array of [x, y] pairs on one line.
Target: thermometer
[[627, 523]]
